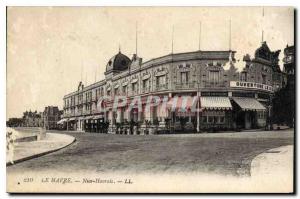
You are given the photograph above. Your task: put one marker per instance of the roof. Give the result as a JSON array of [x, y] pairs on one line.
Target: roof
[[119, 62]]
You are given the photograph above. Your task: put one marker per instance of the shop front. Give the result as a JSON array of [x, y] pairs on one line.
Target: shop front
[[216, 113], [182, 113], [248, 113]]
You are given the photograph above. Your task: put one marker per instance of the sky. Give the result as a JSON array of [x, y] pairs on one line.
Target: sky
[[51, 49]]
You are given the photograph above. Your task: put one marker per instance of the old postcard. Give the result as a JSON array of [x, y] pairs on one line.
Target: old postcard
[[150, 100]]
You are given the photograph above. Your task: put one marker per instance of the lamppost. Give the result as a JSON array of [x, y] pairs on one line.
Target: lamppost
[[270, 112], [198, 109]]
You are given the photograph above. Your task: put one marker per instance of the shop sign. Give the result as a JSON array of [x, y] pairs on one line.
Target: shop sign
[[213, 113], [253, 85]]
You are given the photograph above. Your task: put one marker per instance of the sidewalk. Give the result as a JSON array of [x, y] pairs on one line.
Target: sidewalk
[[28, 150], [274, 168]]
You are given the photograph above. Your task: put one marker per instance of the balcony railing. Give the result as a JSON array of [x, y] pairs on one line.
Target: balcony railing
[[68, 115], [161, 87], [192, 85], [215, 85]]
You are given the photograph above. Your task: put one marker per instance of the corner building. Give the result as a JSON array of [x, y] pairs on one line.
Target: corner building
[[227, 98]]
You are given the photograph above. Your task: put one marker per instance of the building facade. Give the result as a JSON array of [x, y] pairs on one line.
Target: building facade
[[51, 116], [225, 97]]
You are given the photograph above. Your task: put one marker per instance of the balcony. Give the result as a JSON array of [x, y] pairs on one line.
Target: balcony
[[161, 87], [192, 85], [68, 115], [86, 112], [215, 85]]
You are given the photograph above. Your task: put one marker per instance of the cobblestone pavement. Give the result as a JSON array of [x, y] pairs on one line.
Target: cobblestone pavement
[[222, 153]]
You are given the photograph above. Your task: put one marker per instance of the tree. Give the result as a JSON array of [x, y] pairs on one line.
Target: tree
[[284, 106]]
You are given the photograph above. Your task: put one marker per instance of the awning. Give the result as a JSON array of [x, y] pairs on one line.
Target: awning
[[183, 102], [72, 119], [247, 104], [215, 103], [116, 86], [61, 121]]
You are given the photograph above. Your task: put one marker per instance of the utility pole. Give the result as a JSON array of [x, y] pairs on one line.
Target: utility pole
[[230, 34], [200, 36], [262, 31], [172, 39], [136, 38]]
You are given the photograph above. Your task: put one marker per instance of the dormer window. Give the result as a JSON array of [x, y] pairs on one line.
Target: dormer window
[[243, 76], [264, 79]]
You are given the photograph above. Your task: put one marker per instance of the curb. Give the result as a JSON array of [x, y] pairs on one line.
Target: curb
[[264, 155], [39, 154]]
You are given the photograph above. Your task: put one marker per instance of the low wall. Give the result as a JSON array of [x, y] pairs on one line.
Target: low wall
[[27, 139]]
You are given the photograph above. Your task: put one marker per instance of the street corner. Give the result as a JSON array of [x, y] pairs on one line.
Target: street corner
[[274, 168]]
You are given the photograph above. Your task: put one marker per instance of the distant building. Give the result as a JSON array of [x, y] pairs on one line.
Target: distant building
[[32, 119], [51, 116], [289, 64], [289, 70]]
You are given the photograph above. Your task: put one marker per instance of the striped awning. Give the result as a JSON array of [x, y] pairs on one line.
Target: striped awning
[[182, 102], [215, 103], [249, 104]]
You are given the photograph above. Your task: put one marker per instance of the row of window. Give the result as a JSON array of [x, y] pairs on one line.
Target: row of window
[[213, 78], [213, 119]]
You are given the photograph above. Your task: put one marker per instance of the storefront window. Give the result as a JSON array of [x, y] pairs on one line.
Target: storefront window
[[261, 114], [210, 119], [222, 119], [204, 119]]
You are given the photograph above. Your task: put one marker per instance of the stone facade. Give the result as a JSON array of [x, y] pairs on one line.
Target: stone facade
[[51, 116], [200, 73]]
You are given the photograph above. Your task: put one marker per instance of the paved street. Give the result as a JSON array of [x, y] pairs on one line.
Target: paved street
[[222, 153]]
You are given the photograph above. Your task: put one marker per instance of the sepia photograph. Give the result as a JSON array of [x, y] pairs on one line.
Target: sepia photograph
[[150, 99]]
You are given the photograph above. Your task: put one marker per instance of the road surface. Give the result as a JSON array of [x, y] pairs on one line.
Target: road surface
[[219, 153]]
